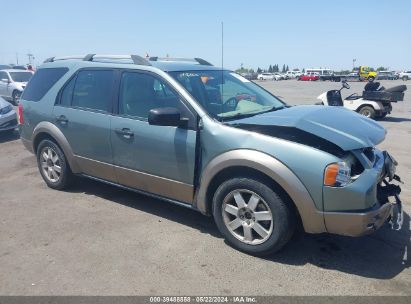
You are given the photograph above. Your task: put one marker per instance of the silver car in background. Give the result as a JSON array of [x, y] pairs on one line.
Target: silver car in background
[[12, 83], [8, 117]]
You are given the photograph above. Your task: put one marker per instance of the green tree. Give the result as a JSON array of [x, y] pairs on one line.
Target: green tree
[[303, 70], [283, 70], [287, 68], [270, 69], [381, 69], [259, 70]]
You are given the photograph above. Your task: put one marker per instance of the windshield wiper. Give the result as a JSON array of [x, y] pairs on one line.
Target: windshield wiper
[[274, 109], [246, 115], [238, 115]]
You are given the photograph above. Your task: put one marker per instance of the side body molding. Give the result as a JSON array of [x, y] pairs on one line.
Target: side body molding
[[53, 131], [312, 218]]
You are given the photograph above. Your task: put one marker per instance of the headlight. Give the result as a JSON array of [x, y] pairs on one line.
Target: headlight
[[337, 174], [6, 109]]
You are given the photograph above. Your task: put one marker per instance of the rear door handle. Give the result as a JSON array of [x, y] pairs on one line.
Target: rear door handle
[[125, 132], [62, 119]]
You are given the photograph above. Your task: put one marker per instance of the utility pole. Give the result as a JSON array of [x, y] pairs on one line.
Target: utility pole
[[17, 58], [30, 56], [353, 63]]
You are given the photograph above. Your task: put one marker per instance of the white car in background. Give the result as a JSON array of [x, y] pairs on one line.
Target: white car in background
[[284, 76], [294, 74], [277, 76], [266, 76], [405, 75], [12, 83]]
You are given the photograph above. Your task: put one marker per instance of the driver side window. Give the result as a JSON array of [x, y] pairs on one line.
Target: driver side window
[[141, 92]]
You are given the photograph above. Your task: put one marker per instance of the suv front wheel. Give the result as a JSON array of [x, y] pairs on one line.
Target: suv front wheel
[[53, 165], [252, 217]]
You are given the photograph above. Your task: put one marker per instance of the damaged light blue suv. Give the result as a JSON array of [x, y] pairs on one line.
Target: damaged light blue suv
[[208, 139]]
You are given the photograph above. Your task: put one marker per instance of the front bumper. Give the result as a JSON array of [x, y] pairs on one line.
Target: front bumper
[[363, 223], [388, 205]]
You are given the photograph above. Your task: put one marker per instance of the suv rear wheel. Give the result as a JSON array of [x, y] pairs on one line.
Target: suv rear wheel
[[252, 217], [53, 165]]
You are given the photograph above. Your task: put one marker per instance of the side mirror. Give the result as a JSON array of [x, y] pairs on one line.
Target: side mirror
[[166, 117], [6, 80], [345, 85]]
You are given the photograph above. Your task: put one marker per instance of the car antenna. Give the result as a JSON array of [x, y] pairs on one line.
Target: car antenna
[[222, 70]]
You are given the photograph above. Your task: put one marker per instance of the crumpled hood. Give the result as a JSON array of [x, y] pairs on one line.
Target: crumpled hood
[[345, 128]]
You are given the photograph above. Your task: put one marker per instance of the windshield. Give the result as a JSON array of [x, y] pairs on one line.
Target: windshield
[[225, 94], [20, 76]]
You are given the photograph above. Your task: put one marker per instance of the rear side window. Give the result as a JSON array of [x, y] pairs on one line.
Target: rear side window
[[67, 93], [92, 90], [41, 82]]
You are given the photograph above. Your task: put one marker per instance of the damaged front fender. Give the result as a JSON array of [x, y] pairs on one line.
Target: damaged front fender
[[311, 218]]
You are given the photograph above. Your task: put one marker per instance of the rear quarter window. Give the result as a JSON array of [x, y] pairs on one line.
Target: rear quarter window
[[41, 83]]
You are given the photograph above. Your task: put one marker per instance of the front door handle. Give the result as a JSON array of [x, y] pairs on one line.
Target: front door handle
[[125, 132], [62, 119]]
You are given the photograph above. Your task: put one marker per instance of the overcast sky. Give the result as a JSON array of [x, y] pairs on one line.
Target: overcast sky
[[300, 34]]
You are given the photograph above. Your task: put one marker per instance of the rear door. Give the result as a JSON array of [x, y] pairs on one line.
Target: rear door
[[156, 159], [83, 114]]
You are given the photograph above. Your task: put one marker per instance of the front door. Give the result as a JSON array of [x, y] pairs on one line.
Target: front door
[[3, 83], [155, 159], [83, 114]]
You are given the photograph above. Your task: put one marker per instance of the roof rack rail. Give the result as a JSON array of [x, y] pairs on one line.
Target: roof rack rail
[[198, 60], [97, 57], [134, 58], [52, 59]]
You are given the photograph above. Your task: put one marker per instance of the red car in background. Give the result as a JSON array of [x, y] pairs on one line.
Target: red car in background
[[309, 77]]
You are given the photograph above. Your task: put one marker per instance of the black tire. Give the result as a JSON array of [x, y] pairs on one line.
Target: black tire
[[16, 96], [283, 221], [404, 78], [381, 116], [367, 111], [65, 176]]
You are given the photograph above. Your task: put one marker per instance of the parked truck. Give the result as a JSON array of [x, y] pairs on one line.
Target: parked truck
[[363, 73]]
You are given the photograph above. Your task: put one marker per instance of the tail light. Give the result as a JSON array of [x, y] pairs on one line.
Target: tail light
[[20, 114]]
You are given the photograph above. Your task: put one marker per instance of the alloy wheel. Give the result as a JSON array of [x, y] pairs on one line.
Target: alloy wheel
[[247, 216], [50, 164]]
